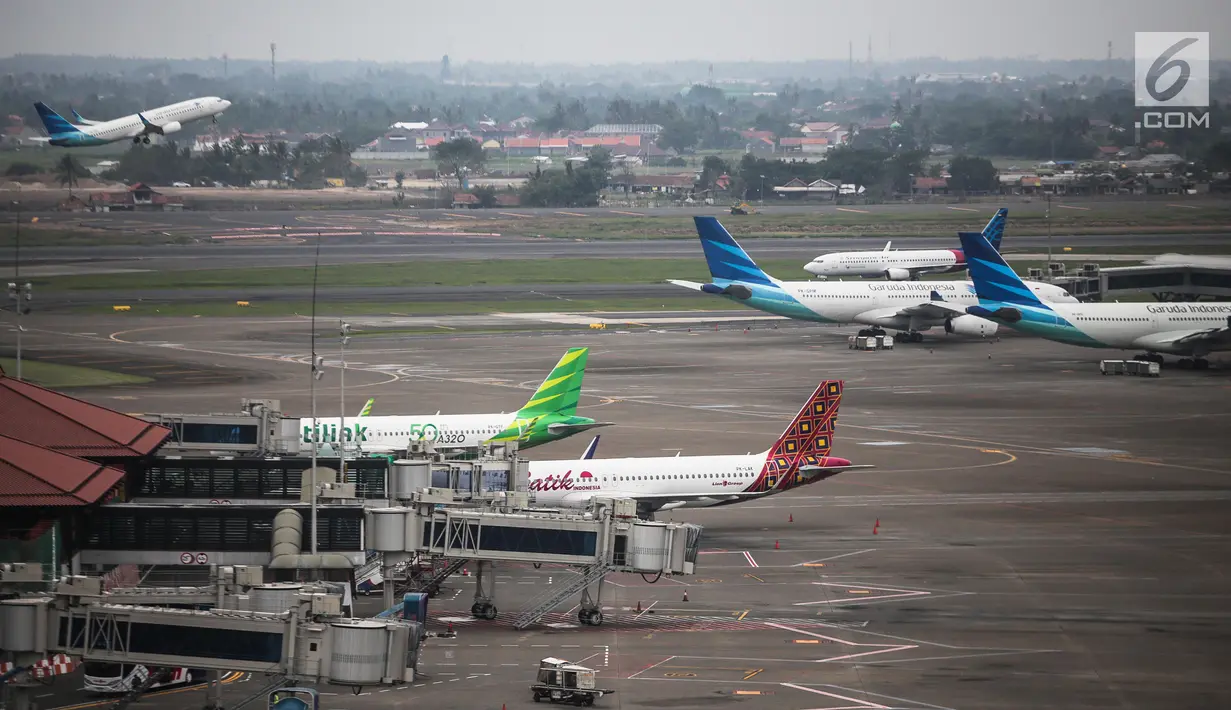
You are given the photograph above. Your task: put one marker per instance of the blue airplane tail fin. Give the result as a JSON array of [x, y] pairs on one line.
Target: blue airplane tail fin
[[52, 121], [994, 230], [725, 257], [992, 277]]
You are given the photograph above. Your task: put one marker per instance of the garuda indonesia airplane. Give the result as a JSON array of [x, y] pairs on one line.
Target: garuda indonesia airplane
[[138, 127], [1190, 330]]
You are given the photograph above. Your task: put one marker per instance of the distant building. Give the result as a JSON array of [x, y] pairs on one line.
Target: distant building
[[138, 198], [798, 189], [679, 185], [606, 129]]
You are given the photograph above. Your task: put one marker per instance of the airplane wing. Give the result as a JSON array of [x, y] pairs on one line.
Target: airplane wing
[[560, 428], [1206, 338]]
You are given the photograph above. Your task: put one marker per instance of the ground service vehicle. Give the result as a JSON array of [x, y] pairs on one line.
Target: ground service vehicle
[[562, 682]]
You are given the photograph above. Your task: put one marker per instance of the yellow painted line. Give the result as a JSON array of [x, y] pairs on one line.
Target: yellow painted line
[[570, 214], [1187, 207], [753, 576], [991, 451], [962, 209], [515, 214], [742, 615], [753, 673], [747, 692], [814, 564], [226, 680], [807, 640], [634, 214], [461, 216], [857, 591], [849, 209]]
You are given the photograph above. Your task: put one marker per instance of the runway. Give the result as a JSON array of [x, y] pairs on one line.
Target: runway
[[1032, 535]]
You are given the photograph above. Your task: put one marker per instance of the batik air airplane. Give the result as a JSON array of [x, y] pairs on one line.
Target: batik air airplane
[[138, 127], [1190, 330], [902, 264], [549, 415], [896, 306], [799, 456]]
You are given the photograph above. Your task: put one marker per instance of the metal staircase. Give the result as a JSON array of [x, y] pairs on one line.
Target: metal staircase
[[556, 593], [430, 581]]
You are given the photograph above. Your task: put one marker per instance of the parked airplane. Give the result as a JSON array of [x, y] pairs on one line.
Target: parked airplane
[[550, 414], [138, 127], [902, 264], [799, 456], [1191, 330], [896, 306]]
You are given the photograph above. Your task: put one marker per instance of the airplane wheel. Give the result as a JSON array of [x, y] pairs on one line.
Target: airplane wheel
[[146, 140], [1201, 364], [864, 333], [489, 612], [476, 610], [136, 140], [596, 617]]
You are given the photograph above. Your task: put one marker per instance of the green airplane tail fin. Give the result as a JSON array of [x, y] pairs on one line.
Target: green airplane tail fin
[[561, 390]]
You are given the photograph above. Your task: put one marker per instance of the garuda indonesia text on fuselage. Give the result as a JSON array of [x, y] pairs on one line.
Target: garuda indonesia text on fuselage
[[138, 127], [1191, 330], [550, 414], [904, 306]]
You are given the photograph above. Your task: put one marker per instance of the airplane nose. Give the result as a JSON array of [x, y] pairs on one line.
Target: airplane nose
[[225, 104], [812, 267]]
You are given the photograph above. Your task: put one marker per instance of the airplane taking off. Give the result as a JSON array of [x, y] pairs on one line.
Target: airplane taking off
[[902, 264], [799, 456], [896, 306], [1191, 330], [138, 127], [549, 415]]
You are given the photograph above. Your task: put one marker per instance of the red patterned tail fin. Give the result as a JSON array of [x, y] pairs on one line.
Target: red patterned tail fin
[[808, 438]]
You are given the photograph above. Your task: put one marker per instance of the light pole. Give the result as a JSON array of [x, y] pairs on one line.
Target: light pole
[[1047, 218], [19, 293], [344, 333], [762, 190], [318, 372]]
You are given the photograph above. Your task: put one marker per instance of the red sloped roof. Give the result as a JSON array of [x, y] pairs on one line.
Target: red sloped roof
[[71, 426], [35, 476]]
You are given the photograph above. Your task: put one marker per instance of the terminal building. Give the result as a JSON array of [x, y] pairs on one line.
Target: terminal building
[[1168, 277]]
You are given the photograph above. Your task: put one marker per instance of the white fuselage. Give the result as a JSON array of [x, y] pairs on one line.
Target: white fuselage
[[181, 113], [699, 481], [1156, 327], [873, 303], [394, 433], [881, 263]]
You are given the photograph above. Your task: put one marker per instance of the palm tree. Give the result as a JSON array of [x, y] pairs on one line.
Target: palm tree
[[67, 172]]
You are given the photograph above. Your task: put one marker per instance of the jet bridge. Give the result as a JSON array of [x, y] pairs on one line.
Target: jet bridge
[[308, 640], [606, 538]]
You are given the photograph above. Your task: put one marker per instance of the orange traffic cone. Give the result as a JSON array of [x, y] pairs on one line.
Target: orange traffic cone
[[686, 594], [791, 519], [775, 544], [450, 630], [876, 527]]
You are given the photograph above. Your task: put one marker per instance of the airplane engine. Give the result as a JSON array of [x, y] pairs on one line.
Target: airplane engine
[[970, 325], [171, 127], [897, 274]]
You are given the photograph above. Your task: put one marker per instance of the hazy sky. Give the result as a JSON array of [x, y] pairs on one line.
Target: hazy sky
[[606, 31]]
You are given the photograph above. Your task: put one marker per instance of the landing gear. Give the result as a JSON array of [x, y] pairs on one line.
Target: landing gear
[[1197, 363], [591, 611], [145, 140], [1151, 357], [870, 332], [913, 336], [136, 140], [484, 592]]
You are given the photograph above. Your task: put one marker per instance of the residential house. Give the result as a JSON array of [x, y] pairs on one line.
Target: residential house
[[523, 146], [818, 128], [798, 189], [760, 145], [553, 146], [923, 185], [138, 198]]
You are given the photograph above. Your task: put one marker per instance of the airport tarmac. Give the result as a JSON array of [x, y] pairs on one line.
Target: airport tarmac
[[1047, 537]]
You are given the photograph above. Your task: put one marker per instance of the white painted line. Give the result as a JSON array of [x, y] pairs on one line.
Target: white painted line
[[751, 562], [834, 557], [650, 668], [962, 209], [863, 703], [901, 594], [1074, 207], [1187, 207], [880, 647]]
